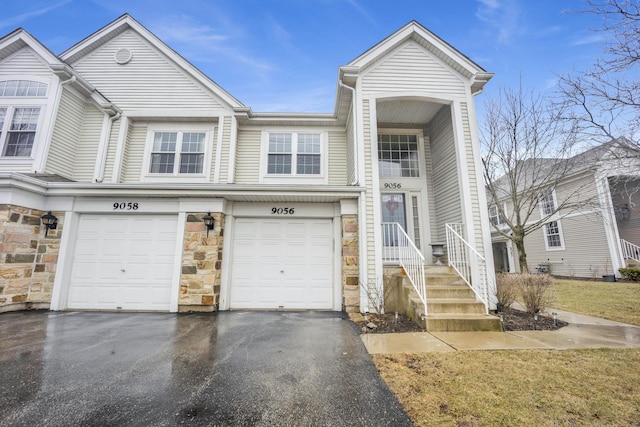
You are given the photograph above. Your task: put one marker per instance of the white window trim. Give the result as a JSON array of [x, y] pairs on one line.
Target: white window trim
[[501, 221], [13, 102], [293, 178], [208, 130], [560, 235], [555, 204]]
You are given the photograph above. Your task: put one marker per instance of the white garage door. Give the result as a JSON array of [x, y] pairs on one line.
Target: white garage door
[[123, 262], [282, 263]]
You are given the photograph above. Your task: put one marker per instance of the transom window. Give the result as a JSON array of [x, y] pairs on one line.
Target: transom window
[[547, 202], [18, 130], [177, 153], [398, 156], [294, 154], [553, 235], [22, 88]]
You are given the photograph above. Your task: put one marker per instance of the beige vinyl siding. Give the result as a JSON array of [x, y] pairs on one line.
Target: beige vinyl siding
[[337, 158], [351, 169], [87, 150], [409, 69], [473, 181], [214, 147], [369, 196], [248, 157], [24, 61], [224, 155], [433, 216], [586, 252], [111, 152], [446, 190], [66, 133], [149, 81], [134, 154], [629, 229]]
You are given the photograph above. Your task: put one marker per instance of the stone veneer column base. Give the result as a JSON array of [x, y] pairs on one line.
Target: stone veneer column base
[[350, 264]]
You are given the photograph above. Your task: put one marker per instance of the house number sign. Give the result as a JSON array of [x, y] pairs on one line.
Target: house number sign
[[392, 185], [282, 211], [125, 206]]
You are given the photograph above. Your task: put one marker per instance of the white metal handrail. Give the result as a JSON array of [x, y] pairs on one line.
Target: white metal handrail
[[398, 246], [465, 260], [630, 251]]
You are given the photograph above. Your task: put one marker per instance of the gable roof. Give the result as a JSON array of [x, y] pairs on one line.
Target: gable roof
[[126, 22], [18, 39], [434, 44]]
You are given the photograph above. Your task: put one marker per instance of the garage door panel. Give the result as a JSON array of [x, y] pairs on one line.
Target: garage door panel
[[279, 263], [143, 246]]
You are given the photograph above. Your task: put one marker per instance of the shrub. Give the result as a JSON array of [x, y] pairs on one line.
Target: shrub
[[537, 291], [506, 290], [631, 273]]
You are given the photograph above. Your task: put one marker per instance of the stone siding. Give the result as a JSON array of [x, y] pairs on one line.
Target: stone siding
[[201, 264], [350, 264], [27, 259]]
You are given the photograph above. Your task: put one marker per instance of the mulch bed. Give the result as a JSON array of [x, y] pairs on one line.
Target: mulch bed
[[514, 320]]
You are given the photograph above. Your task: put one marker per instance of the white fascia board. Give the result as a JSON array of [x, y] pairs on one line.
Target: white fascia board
[[21, 36], [406, 32]]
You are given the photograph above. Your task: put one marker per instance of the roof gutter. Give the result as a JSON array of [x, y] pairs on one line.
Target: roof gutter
[[354, 105]]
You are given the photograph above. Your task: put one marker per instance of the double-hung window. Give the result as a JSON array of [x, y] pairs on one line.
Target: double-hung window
[[294, 154], [553, 235], [20, 112], [177, 153], [494, 216], [547, 202]]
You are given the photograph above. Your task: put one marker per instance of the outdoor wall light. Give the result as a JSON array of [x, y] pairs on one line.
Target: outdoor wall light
[[209, 222], [50, 222]]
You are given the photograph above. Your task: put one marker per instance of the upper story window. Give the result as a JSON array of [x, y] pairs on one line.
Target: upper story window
[[22, 88], [547, 202], [294, 154], [177, 153], [20, 115], [398, 155], [494, 216], [288, 156]]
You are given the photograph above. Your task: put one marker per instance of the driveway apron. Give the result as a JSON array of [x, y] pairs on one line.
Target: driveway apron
[[229, 368]]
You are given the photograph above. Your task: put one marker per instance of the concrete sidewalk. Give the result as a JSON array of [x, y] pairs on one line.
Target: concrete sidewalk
[[582, 332]]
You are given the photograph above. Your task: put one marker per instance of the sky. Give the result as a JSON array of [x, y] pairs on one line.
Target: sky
[[283, 55]]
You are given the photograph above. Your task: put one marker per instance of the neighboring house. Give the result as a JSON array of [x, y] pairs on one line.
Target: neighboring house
[[599, 229], [131, 148]]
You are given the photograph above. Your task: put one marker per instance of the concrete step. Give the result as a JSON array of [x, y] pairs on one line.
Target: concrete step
[[461, 323], [455, 306], [450, 291], [443, 279]]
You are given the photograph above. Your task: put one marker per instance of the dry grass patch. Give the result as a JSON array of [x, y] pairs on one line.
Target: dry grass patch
[[507, 388], [617, 301]]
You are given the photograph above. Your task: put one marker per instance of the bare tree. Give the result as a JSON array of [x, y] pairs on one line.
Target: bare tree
[[527, 151], [606, 97]]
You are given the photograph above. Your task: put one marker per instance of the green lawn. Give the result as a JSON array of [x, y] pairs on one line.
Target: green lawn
[[614, 301]]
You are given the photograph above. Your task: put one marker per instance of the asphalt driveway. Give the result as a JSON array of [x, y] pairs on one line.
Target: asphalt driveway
[[230, 368]]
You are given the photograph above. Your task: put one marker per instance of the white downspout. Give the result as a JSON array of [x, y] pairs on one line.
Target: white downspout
[[104, 145], [354, 112]]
